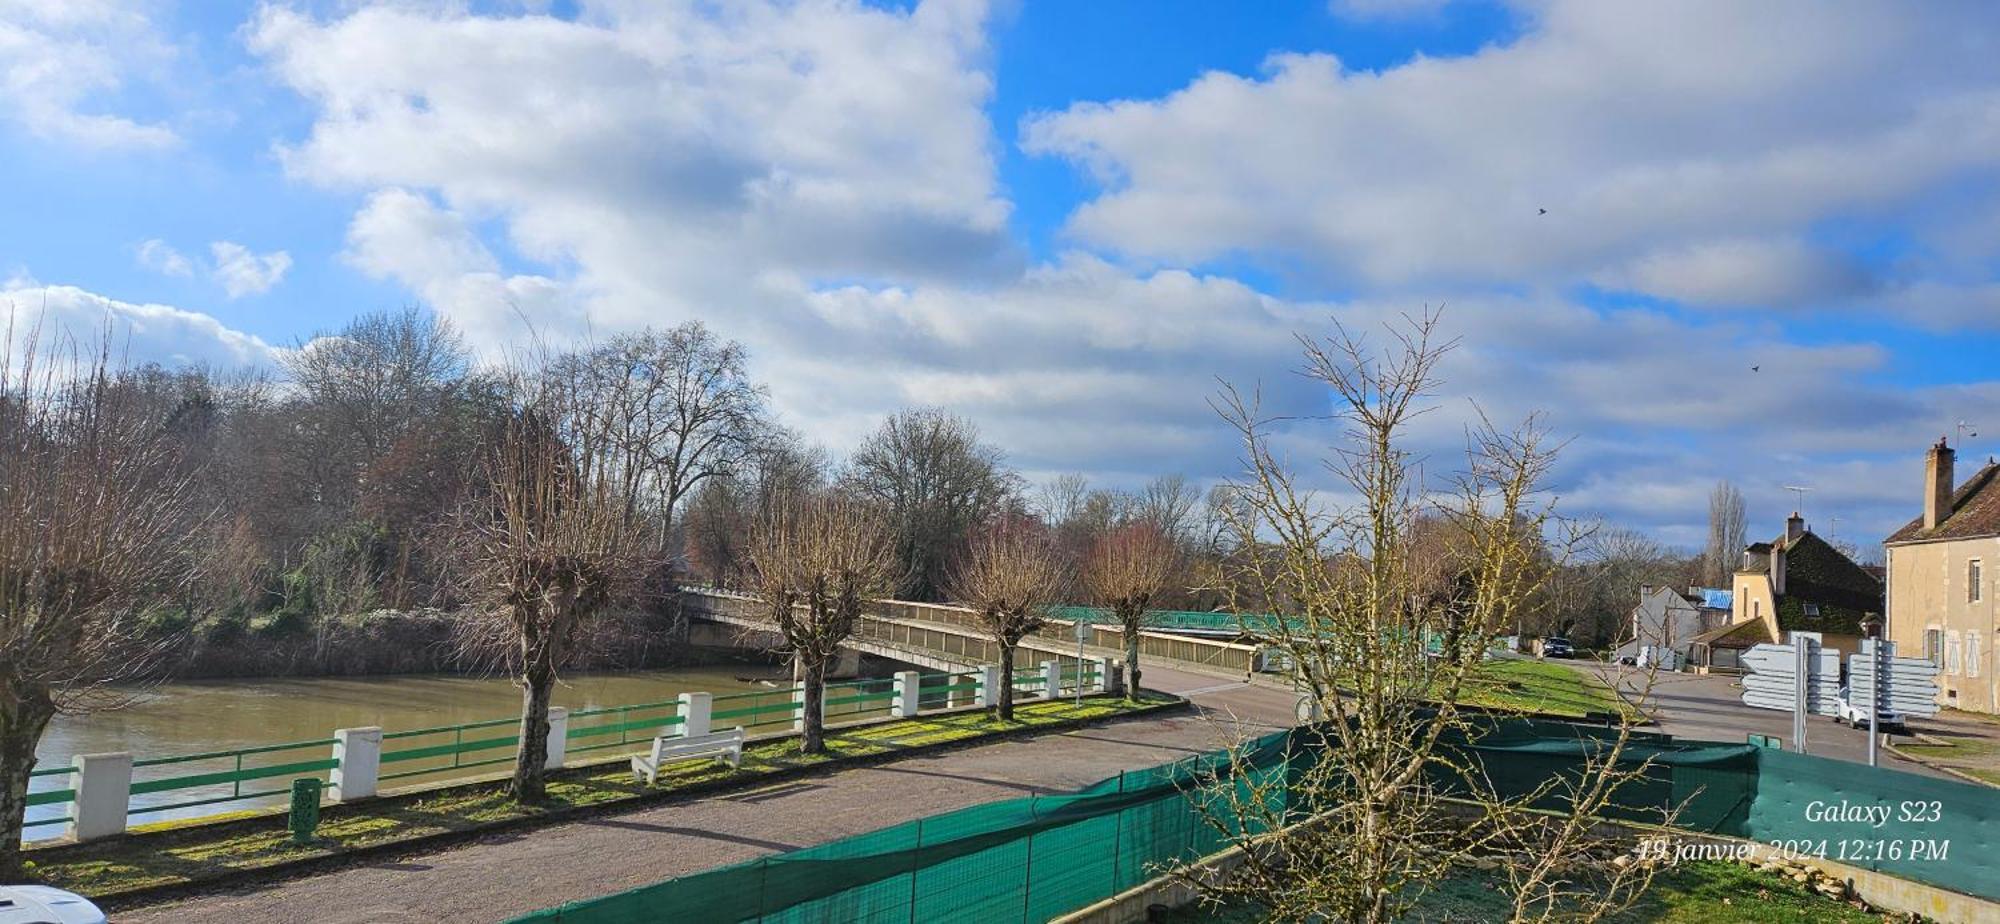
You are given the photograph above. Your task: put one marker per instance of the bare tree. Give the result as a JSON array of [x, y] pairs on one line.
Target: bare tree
[[724, 510], [1127, 571], [1010, 576], [553, 542], [1385, 649], [1169, 501], [819, 559], [96, 520], [937, 481], [1060, 499], [1726, 528]]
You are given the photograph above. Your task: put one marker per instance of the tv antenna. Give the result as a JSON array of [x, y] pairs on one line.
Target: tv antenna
[[1966, 429], [1798, 498]]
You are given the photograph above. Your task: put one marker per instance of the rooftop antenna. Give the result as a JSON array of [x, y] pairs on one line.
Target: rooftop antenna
[[1799, 498], [1965, 430]]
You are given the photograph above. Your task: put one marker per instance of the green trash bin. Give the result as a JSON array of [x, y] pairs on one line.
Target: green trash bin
[[305, 809]]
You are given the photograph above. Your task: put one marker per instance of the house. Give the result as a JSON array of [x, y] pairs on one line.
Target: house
[[1797, 582], [1941, 602], [1669, 618]]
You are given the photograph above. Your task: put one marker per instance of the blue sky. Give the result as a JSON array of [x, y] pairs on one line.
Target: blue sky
[[1068, 220]]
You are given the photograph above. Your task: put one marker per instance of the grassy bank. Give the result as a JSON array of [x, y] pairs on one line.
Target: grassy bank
[[181, 854], [1519, 684], [1693, 893]]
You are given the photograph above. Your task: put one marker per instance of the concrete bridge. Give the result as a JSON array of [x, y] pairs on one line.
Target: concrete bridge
[[950, 638]]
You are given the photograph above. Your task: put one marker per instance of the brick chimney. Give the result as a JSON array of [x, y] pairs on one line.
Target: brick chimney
[[1938, 482], [1795, 526]]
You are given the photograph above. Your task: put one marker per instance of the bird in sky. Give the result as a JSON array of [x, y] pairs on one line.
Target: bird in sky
[[1756, 368], [1542, 212]]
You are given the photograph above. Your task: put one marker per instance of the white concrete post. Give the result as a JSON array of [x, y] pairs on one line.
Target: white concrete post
[[1052, 673], [359, 751], [1114, 675], [989, 685], [1105, 673], [799, 705], [558, 737], [695, 709], [103, 785], [956, 698], [904, 705]]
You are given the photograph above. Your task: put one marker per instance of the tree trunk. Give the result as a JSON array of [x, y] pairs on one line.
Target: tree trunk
[[1131, 633], [23, 717], [530, 761], [812, 739], [1005, 707]]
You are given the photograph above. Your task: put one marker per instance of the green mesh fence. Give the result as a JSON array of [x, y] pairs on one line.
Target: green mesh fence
[[1032, 859]]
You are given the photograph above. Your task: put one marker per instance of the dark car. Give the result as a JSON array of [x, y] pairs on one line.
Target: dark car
[[1556, 646]]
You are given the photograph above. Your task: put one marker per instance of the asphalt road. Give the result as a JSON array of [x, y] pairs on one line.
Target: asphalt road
[[1710, 708], [509, 874]]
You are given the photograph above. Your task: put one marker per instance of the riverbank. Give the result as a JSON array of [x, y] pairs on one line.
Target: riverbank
[[151, 863]]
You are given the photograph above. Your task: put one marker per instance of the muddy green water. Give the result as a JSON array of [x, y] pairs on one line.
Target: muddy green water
[[196, 717]]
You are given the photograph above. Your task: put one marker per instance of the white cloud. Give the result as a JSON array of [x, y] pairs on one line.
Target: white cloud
[[1734, 271], [241, 272], [60, 60], [160, 257], [136, 332], [1640, 129]]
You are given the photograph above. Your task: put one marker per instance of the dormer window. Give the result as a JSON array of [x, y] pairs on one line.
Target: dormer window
[[1812, 609]]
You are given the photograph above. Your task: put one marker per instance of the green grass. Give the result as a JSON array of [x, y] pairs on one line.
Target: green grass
[[1692, 893], [182, 852], [1538, 686]]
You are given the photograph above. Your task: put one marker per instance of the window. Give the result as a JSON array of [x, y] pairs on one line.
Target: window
[[1812, 609], [1972, 654], [1756, 609], [1973, 591], [1952, 649], [1934, 646]]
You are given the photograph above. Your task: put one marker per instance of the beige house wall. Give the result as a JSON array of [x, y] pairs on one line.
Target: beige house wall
[[1753, 600], [1929, 589]]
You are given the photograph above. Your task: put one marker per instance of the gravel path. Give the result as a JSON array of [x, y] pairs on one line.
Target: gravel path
[[506, 875]]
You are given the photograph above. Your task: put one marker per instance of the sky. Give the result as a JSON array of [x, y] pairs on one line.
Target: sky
[[1705, 240]]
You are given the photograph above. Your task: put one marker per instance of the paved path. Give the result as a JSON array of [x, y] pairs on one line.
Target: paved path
[[506, 875]]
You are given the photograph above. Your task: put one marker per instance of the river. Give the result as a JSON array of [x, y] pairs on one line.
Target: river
[[196, 717]]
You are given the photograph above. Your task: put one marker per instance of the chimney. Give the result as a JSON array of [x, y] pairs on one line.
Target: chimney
[[1795, 526], [1938, 482]]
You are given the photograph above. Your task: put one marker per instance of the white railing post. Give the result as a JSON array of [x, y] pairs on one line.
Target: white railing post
[[1104, 674], [1114, 676], [103, 785], [558, 746], [695, 709], [1052, 677], [359, 752], [904, 705], [989, 685], [799, 704]]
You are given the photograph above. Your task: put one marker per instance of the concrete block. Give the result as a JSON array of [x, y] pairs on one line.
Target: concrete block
[[905, 705], [359, 751], [695, 709], [103, 784]]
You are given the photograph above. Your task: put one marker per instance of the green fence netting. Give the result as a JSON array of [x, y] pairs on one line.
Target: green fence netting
[[1035, 858]]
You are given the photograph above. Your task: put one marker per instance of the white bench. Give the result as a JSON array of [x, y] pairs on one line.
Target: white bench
[[670, 749]]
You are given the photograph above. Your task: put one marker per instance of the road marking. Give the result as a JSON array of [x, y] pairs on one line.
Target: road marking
[[1214, 689]]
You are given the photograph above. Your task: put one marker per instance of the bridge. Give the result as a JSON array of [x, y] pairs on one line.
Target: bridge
[[951, 638]]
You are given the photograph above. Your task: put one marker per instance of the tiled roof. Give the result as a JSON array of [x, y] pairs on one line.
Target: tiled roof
[[1975, 511]]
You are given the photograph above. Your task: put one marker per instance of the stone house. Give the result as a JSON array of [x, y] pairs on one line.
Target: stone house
[[1941, 588], [1673, 618], [1797, 582]]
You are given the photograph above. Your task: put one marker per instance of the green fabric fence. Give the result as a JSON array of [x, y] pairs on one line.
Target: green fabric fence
[[1030, 859]]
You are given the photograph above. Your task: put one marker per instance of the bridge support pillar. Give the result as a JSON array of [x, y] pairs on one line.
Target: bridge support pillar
[[103, 785], [694, 709], [1052, 679], [558, 746], [989, 685], [905, 706], [359, 751]]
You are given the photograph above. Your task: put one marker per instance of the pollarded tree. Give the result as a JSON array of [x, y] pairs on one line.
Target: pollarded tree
[[96, 518], [553, 543], [1128, 569], [819, 558], [1010, 576]]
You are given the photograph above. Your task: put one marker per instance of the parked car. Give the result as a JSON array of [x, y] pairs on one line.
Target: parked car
[[1555, 646], [1850, 713]]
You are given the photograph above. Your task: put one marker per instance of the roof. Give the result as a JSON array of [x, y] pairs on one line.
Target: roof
[[1715, 598], [1735, 635], [1825, 591], [1975, 512]]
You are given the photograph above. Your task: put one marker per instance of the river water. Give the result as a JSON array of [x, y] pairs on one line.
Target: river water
[[201, 716]]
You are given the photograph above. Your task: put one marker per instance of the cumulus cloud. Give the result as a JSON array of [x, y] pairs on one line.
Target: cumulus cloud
[[1639, 129], [160, 257], [60, 60], [241, 272], [1735, 272], [135, 332]]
